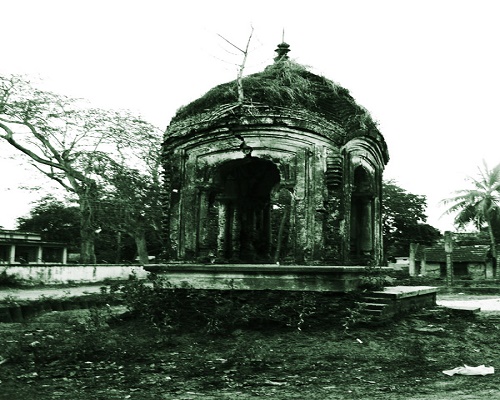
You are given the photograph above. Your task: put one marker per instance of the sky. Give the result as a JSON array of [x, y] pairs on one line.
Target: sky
[[426, 70]]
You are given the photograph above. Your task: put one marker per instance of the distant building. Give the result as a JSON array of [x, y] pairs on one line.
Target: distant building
[[289, 173], [469, 261], [400, 263], [18, 247]]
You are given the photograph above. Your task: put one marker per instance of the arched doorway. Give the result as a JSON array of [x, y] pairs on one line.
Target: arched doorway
[[244, 202]]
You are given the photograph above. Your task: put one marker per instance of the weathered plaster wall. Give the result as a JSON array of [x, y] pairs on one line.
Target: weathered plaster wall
[[60, 274], [309, 218], [475, 271], [301, 194], [261, 277]]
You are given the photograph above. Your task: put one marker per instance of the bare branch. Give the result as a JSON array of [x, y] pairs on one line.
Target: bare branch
[[232, 44], [241, 95]]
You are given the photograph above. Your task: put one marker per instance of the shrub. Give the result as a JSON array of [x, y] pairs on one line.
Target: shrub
[[172, 309], [7, 280]]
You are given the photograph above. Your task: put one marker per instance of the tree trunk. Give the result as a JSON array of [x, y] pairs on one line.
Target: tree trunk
[[142, 249], [118, 254], [87, 251], [87, 231]]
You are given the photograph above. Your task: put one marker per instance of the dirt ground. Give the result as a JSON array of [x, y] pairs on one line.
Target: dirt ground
[[74, 355]]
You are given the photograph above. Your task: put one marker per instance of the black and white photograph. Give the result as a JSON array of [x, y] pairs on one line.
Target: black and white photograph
[[245, 200]]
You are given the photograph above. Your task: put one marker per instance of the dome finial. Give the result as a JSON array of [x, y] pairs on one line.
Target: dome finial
[[283, 49]]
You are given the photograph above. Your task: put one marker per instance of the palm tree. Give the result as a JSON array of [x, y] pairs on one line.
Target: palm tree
[[479, 205]]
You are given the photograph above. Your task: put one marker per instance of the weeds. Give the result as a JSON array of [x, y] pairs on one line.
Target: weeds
[[374, 278], [353, 316], [7, 280], [85, 352], [171, 309]]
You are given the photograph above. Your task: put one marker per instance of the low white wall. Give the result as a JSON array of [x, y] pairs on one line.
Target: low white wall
[[54, 274]]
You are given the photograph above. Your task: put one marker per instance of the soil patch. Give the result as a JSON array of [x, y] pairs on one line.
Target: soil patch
[[105, 354]]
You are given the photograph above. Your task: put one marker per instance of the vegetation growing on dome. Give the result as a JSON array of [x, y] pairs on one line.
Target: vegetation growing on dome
[[286, 84]]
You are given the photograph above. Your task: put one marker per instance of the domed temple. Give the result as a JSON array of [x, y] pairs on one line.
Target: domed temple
[[281, 166]]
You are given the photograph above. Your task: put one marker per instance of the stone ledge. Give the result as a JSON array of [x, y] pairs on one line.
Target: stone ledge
[[260, 276], [258, 268], [399, 292], [463, 310]]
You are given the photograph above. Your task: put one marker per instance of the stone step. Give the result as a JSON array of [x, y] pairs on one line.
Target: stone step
[[374, 306], [490, 317], [399, 292], [463, 310], [377, 299]]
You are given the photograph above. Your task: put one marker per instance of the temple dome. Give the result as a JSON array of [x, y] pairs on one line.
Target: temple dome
[[284, 85], [281, 166]]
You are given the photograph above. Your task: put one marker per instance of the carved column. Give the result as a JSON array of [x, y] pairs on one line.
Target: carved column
[[236, 231], [12, 254], [203, 222], [366, 227], [39, 255], [222, 230]]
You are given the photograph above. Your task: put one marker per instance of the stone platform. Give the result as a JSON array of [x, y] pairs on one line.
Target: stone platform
[[383, 304], [399, 300], [261, 276]]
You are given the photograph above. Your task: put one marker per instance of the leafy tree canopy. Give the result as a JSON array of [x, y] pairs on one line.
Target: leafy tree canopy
[[54, 220], [480, 205], [74, 145], [404, 220], [58, 221]]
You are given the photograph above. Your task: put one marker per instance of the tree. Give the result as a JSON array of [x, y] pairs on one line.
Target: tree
[[58, 221], [133, 206], [479, 205], [404, 220], [54, 220], [241, 67], [72, 144]]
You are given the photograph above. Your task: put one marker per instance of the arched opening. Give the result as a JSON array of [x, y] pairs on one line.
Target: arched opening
[[362, 196], [244, 203]]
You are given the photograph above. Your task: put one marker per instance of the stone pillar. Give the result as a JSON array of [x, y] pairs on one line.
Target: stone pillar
[[236, 231], [448, 248], [266, 228], [301, 190], [64, 258], [222, 229], [203, 221], [378, 243], [366, 227], [39, 255], [412, 270], [12, 254], [423, 263]]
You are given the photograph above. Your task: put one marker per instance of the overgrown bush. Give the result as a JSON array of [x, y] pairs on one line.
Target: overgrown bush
[[172, 309], [7, 280], [81, 339], [374, 278]]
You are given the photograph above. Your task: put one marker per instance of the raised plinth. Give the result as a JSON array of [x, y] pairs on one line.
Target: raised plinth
[[400, 292], [261, 276], [399, 300]]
